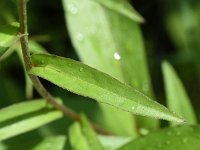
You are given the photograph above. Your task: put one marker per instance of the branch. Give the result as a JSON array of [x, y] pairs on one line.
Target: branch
[[28, 65]]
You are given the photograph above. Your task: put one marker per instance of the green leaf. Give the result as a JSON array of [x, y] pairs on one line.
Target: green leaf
[[21, 118], [114, 49], [177, 98], [76, 138], [113, 142], [86, 81], [83, 137], [90, 135], [20, 109], [183, 138], [36, 47], [51, 143], [8, 38], [122, 7]]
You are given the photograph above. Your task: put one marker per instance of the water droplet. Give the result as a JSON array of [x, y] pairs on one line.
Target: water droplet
[[79, 36], [133, 107], [143, 131], [81, 69], [117, 56], [72, 8], [184, 140]]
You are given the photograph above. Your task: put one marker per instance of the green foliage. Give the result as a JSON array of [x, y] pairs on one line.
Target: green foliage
[[20, 118], [177, 98], [8, 38], [115, 56], [82, 136], [114, 49], [185, 137]]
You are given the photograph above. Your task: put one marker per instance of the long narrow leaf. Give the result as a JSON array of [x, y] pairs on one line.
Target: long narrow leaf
[[84, 80], [90, 135], [20, 109], [77, 139], [177, 98], [26, 116], [28, 124]]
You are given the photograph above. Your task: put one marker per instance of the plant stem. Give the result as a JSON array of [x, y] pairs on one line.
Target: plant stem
[[28, 65]]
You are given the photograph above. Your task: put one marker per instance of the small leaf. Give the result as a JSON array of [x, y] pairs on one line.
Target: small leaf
[[90, 135], [8, 37], [177, 98], [86, 81], [76, 138], [21, 118], [83, 137], [178, 138]]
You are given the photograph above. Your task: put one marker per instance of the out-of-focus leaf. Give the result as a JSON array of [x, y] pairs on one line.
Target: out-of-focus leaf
[[113, 142], [173, 138], [20, 118], [8, 37], [51, 143], [90, 135], [86, 81], [115, 49], [36, 47], [77, 139], [20, 109], [34, 141], [83, 137], [122, 7], [177, 98], [183, 22]]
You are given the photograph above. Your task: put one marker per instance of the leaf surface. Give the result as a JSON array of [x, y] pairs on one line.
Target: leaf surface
[[86, 81], [173, 138]]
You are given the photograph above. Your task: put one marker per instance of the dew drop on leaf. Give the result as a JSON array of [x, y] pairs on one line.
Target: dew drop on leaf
[[143, 131], [79, 36], [117, 56], [72, 9], [81, 69]]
